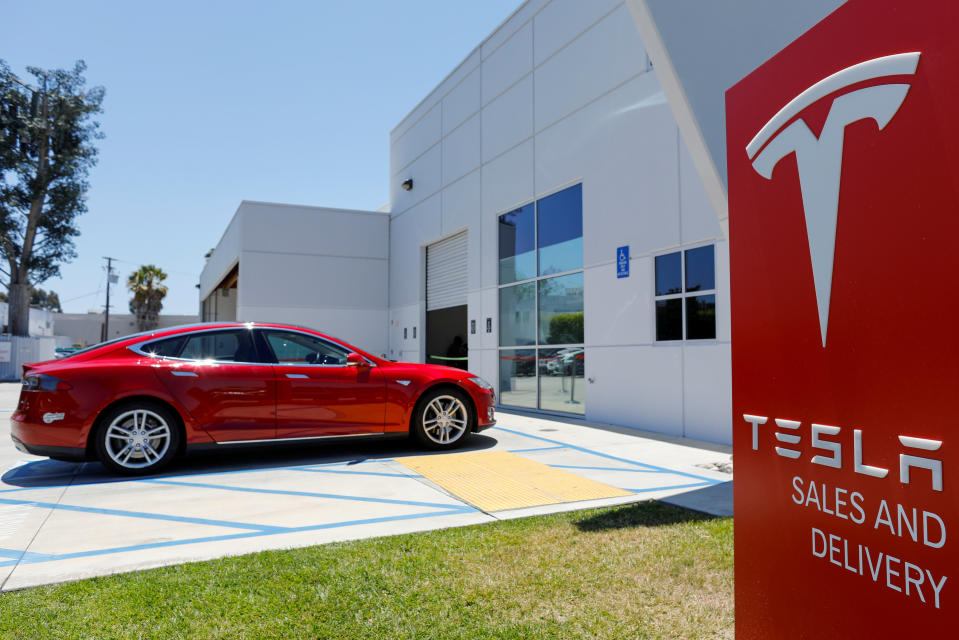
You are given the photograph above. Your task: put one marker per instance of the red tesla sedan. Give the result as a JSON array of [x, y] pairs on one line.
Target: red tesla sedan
[[137, 402]]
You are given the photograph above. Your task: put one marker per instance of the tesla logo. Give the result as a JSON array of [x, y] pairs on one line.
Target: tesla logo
[[820, 159]]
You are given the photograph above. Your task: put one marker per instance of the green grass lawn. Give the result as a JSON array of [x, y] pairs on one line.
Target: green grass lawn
[[646, 570]]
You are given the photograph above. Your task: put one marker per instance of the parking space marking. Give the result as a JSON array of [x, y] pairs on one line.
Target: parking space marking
[[612, 457], [35, 472], [574, 466], [308, 494], [31, 558], [140, 514]]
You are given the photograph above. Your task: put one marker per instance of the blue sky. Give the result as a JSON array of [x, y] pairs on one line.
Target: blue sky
[[211, 102]]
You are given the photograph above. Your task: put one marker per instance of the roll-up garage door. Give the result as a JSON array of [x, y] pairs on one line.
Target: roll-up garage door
[[446, 279]]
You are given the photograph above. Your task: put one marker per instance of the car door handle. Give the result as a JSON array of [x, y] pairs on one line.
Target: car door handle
[[297, 375], [185, 374]]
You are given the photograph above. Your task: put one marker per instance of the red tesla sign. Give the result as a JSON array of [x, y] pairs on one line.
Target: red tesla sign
[[843, 156]]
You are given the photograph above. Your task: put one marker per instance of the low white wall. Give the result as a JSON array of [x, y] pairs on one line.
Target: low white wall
[[85, 328], [313, 266]]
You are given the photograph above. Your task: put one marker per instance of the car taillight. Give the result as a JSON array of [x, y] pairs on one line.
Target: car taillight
[[44, 382]]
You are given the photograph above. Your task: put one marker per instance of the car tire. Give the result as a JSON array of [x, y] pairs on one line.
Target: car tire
[[442, 419], [137, 438]]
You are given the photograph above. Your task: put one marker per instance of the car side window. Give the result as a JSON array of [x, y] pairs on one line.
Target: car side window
[[298, 348], [167, 348], [223, 346]]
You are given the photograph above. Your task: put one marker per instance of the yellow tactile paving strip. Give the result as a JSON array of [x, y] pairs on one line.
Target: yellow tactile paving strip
[[499, 480]]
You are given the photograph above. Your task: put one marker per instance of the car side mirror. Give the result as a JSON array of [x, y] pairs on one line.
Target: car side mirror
[[356, 360]]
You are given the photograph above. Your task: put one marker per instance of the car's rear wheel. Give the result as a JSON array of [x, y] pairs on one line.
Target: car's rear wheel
[[137, 438], [442, 419]]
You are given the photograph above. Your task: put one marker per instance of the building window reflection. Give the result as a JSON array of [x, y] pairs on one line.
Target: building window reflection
[[685, 297], [541, 304]]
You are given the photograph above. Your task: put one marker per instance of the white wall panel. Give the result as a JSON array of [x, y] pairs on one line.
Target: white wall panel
[[426, 174], [462, 102], [404, 317], [723, 302], [366, 330], [561, 21], [421, 136], [289, 279], [461, 208], [603, 57], [508, 119], [509, 63], [623, 148], [488, 368], [489, 237], [708, 392], [489, 309], [409, 233], [699, 221], [461, 150], [637, 386], [519, 18], [315, 230], [508, 180], [225, 255], [619, 310]]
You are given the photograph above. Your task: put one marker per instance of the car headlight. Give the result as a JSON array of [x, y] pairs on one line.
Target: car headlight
[[482, 384]]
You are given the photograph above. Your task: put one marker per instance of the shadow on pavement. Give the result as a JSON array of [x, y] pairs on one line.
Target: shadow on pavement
[[53, 473], [641, 514]]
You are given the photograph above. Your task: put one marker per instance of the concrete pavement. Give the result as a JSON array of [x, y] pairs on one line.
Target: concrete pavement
[[61, 521]]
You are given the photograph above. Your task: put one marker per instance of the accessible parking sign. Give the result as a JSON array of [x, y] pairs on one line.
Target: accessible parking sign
[[844, 218]]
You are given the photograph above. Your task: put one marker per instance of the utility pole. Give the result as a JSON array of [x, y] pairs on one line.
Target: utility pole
[[110, 278]]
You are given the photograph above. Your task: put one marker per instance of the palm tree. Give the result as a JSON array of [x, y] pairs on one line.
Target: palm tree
[[148, 292]]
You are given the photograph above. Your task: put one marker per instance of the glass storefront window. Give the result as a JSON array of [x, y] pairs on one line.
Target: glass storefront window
[[562, 380], [560, 231], [517, 378], [517, 256], [537, 242], [561, 309], [517, 315]]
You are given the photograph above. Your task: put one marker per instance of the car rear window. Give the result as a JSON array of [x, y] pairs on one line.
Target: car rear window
[[168, 348]]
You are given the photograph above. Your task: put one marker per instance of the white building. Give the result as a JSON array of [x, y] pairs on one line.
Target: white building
[[514, 185]]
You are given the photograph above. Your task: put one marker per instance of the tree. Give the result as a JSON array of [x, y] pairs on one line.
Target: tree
[[40, 299], [48, 300], [148, 292], [46, 152]]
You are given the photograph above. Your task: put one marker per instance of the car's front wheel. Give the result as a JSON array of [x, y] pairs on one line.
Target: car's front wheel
[[442, 419], [137, 438]]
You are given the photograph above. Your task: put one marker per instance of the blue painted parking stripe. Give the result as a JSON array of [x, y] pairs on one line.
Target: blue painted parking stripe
[[360, 473], [573, 466], [23, 556], [142, 514], [236, 536], [310, 494], [611, 457], [537, 449]]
